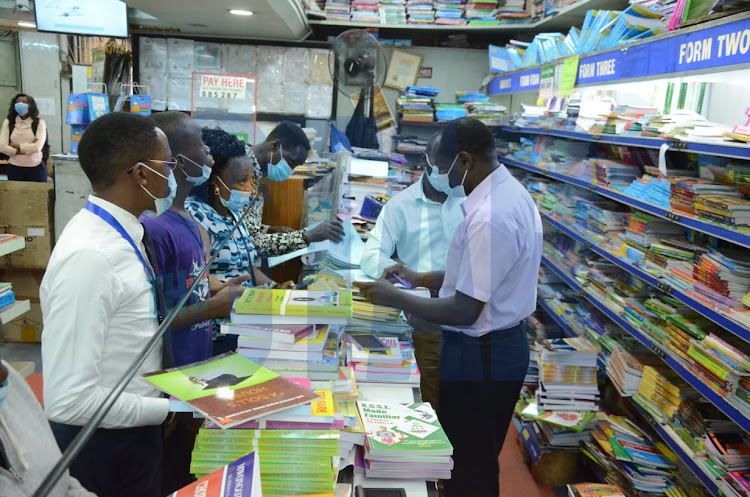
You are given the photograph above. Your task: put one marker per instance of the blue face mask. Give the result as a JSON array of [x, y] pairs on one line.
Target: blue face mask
[[161, 205], [196, 180], [281, 170], [4, 391], [441, 182], [21, 108], [238, 199]]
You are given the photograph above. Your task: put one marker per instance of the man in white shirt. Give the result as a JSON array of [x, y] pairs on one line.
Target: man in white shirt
[[100, 308], [416, 227], [488, 287]]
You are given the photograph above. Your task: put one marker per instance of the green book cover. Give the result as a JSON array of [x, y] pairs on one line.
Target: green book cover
[[324, 435], [668, 99], [264, 446], [230, 390], [412, 431], [682, 96], [266, 301]]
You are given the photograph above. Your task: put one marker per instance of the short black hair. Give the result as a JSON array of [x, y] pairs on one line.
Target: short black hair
[[290, 135], [114, 143], [170, 122], [33, 109], [224, 147], [466, 134]]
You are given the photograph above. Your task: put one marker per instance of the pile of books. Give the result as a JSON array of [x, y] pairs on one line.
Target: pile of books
[[450, 12], [291, 461], [394, 364], [557, 429], [449, 112], [367, 317], [512, 12], [337, 10], [416, 104], [567, 380], [404, 442], [722, 276], [728, 210], [731, 451], [7, 297], [685, 191], [625, 369], [365, 11], [314, 353], [482, 12], [642, 230], [392, 11], [410, 145], [661, 392], [420, 12]]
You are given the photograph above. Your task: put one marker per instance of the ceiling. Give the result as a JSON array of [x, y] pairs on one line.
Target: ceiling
[[271, 19]]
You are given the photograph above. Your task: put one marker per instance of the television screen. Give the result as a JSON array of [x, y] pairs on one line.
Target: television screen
[[82, 17]]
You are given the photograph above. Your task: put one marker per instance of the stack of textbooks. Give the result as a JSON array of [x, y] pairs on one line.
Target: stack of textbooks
[[416, 104], [337, 10], [728, 210], [241, 478], [567, 382], [314, 356], [661, 392], [490, 113], [367, 317], [365, 12], [722, 276], [685, 191], [392, 11], [410, 145], [292, 462], [731, 451], [420, 12], [642, 230], [382, 359], [404, 442], [481, 12], [512, 12], [449, 112], [450, 12], [7, 297], [625, 369], [558, 429]]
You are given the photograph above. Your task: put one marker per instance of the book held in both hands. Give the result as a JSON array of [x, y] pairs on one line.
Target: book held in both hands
[[240, 478], [230, 390]]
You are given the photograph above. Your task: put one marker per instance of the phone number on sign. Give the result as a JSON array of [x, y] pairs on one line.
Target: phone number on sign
[[221, 94]]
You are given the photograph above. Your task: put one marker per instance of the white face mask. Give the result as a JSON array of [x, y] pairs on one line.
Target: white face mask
[[196, 180], [161, 205]]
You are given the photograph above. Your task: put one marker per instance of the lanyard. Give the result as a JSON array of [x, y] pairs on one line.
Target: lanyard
[[110, 220], [245, 239]]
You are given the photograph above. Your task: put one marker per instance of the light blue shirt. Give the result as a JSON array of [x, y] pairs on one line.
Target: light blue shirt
[[417, 229], [495, 255]]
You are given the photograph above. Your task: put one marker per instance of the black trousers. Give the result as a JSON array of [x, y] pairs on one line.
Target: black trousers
[[37, 173], [480, 380], [117, 463]]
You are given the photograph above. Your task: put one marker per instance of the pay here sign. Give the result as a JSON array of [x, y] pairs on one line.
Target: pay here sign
[[217, 86]]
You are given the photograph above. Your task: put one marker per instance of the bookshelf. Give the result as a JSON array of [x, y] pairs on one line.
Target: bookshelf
[[662, 56]]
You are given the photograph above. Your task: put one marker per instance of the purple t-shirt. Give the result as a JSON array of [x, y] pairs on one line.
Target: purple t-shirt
[[181, 257]]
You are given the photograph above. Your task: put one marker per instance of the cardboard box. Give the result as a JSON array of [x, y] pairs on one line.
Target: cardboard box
[[26, 210], [27, 328]]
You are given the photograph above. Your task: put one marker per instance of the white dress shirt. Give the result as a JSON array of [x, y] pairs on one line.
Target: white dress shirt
[[99, 310], [495, 255], [417, 229]]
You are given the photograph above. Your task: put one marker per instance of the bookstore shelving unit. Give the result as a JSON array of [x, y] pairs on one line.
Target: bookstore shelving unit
[[20, 307], [560, 322]]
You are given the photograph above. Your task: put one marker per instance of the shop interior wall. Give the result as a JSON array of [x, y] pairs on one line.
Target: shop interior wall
[[10, 78]]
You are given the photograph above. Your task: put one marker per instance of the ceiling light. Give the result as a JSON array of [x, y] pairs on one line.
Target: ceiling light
[[240, 12], [26, 24]]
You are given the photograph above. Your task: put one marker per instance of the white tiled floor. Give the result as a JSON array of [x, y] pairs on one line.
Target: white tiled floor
[[23, 352]]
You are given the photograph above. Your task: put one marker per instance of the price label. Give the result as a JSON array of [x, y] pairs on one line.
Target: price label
[[516, 129], [658, 351], [665, 287], [596, 138], [672, 216], [678, 145], [592, 186]]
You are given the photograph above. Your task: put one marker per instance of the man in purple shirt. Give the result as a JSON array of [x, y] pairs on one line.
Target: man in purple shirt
[[180, 252]]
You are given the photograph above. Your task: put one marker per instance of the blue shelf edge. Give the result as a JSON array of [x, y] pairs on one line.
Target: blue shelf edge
[[709, 483], [683, 220], [696, 305], [733, 151], [562, 324], [733, 413]]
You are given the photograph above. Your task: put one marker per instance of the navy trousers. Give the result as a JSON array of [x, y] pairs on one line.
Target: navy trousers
[[480, 380], [117, 463]]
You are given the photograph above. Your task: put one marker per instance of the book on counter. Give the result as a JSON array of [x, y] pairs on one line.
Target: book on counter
[[292, 307], [230, 390], [240, 478]]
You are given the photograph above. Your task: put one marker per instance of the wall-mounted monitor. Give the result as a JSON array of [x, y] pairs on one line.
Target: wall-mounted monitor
[[107, 18]]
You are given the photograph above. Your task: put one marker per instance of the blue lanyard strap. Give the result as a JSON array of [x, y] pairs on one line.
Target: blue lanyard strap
[[110, 220]]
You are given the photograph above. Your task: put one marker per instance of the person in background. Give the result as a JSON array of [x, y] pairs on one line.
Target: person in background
[[417, 226], [28, 450], [216, 206], [487, 289], [101, 305], [22, 139], [285, 148], [181, 254]]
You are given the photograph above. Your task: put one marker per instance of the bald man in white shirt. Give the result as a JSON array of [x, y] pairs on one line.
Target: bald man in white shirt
[[488, 288], [100, 308]]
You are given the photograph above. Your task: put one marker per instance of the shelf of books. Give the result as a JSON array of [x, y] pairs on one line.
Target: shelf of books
[[717, 316], [683, 52], [739, 150], [711, 228]]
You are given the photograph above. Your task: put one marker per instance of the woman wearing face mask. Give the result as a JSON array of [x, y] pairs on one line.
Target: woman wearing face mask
[[285, 148], [22, 139]]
